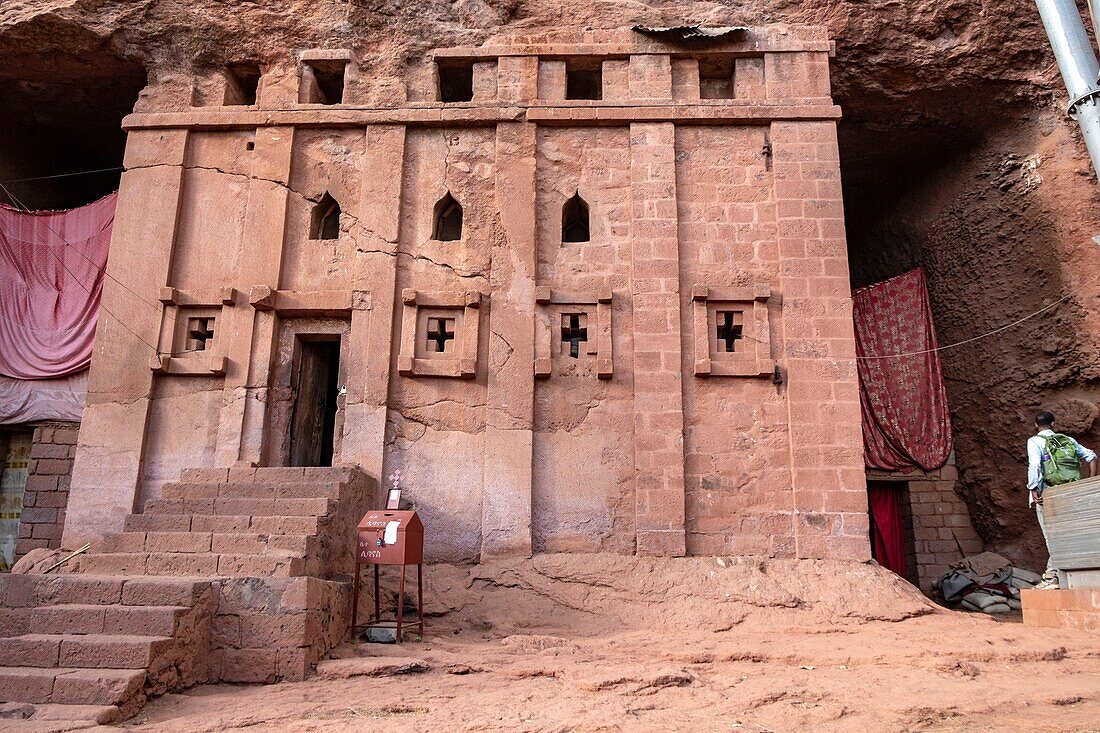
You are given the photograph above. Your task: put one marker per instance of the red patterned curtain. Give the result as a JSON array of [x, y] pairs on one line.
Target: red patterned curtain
[[906, 423]]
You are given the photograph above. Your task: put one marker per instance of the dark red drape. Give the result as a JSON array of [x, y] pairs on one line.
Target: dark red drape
[[51, 277], [887, 527], [906, 423]]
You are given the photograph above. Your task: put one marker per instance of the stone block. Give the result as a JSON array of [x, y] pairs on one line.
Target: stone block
[[260, 566], [250, 665], [49, 499], [97, 686], [30, 650], [152, 591], [81, 589], [159, 523], [67, 619], [50, 532], [221, 524], [35, 515], [186, 542], [52, 466], [41, 483], [141, 620], [27, 684], [111, 652], [182, 563], [47, 450]]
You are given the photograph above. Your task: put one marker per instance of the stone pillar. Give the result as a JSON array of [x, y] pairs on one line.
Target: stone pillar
[[107, 467], [240, 430], [829, 492], [365, 406], [509, 412], [658, 393], [651, 77]]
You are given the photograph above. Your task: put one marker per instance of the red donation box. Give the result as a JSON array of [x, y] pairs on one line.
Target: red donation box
[[390, 537]]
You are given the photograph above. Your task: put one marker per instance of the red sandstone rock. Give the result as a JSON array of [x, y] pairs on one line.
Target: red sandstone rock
[[334, 669]]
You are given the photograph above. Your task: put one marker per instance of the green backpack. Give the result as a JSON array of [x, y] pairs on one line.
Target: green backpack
[[1060, 465]]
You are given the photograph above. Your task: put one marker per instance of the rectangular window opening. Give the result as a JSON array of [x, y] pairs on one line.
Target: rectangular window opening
[[584, 79], [456, 82], [322, 82], [243, 84], [716, 79]]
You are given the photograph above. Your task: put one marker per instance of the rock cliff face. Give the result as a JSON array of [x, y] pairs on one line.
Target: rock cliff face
[[956, 153]]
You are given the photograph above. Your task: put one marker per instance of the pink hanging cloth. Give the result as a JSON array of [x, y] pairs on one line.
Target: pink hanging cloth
[[51, 278], [906, 422]]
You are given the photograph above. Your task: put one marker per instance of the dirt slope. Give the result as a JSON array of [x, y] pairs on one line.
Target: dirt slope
[[606, 643]]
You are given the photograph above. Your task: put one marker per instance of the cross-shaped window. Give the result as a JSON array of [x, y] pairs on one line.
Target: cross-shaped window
[[440, 332], [728, 329], [574, 332], [199, 332]]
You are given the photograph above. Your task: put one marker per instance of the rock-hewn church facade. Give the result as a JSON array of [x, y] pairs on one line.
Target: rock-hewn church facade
[[586, 291]]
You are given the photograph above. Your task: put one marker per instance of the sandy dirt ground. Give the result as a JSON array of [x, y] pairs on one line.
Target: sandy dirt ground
[[625, 644]]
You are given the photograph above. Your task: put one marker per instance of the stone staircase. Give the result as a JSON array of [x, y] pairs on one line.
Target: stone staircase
[[225, 577], [105, 643]]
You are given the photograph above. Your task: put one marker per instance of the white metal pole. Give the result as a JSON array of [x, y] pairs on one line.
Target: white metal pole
[[1077, 62]]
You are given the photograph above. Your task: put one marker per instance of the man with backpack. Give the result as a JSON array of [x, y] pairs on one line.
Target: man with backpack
[[1052, 459]]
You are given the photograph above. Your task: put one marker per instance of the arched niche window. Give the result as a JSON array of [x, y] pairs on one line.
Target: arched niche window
[[574, 220], [325, 223], [448, 220]]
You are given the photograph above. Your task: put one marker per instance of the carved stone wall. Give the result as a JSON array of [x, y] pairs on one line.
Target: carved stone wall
[[584, 300]]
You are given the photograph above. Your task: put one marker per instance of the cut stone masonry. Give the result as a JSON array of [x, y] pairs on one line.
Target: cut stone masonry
[[236, 575]]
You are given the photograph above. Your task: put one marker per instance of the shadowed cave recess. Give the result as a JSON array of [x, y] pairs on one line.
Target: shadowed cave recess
[[956, 153]]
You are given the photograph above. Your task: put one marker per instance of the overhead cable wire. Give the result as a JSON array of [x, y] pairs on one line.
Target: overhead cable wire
[[987, 334], [67, 243], [746, 337], [65, 175], [104, 272]]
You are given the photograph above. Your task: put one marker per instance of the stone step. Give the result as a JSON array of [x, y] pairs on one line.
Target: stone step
[[84, 651], [188, 490], [242, 507], [240, 543], [272, 563], [262, 524], [20, 590], [42, 714], [270, 475], [67, 686], [81, 618]]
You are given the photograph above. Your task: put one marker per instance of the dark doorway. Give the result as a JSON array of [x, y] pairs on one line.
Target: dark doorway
[[316, 387]]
